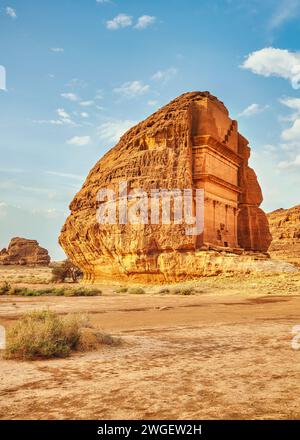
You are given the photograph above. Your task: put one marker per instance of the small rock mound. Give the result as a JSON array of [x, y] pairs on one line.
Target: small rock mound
[[24, 252]]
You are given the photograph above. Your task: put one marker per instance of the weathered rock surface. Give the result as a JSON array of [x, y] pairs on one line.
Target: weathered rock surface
[[191, 143], [25, 252], [285, 229]]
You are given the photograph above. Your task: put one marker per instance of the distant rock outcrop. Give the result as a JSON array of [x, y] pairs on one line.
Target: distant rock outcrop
[[191, 143], [285, 229], [24, 252]]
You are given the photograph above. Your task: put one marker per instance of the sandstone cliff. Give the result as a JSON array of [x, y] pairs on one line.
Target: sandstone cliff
[[24, 252], [189, 143], [285, 229]]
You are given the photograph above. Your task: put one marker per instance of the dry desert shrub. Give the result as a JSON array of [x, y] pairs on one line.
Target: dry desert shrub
[[184, 291], [122, 290], [45, 334], [42, 334], [136, 291], [7, 289]]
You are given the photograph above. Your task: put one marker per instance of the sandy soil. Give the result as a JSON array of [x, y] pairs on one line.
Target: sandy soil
[[223, 353]]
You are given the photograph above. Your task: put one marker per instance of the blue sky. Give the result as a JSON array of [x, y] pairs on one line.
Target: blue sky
[[81, 72]]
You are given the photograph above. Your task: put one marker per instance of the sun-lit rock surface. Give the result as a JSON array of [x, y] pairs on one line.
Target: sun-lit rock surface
[[191, 143], [285, 229], [24, 252]]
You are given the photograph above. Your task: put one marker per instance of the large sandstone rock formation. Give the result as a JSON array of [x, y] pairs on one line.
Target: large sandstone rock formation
[[25, 252], [189, 143], [285, 229]]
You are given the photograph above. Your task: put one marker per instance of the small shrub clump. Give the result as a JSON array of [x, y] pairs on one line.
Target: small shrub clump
[[136, 291], [64, 271], [6, 289], [45, 334], [122, 290], [42, 334], [164, 290], [184, 291]]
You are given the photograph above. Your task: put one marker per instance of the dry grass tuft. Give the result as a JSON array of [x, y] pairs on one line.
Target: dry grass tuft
[[45, 334], [7, 289], [136, 291]]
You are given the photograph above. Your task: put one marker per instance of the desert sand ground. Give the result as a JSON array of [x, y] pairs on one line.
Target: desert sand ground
[[224, 352]]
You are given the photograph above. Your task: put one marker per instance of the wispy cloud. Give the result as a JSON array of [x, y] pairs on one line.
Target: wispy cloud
[[87, 103], [11, 12], [79, 141], [275, 62], [152, 102], [131, 89], [84, 115], [57, 49], [253, 109], [70, 96], [64, 119], [145, 21], [164, 75], [77, 83], [294, 163], [120, 21], [65, 175], [285, 11], [111, 131], [62, 113], [124, 21], [292, 133]]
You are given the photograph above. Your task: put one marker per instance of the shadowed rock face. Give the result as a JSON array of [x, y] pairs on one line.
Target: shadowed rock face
[[191, 143], [25, 252]]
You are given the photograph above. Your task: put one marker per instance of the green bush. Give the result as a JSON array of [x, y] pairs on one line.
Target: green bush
[[136, 291], [52, 291]]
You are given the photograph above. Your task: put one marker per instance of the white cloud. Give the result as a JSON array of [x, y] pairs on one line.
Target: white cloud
[[64, 119], [292, 134], [144, 21], [79, 140], [293, 103], [11, 12], [86, 103], [290, 164], [65, 175], [112, 131], [132, 89], [48, 121], [164, 75], [275, 62], [99, 94], [70, 96], [285, 11], [57, 49], [76, 83], [120, 21], [152, 102], [84, 115], [252, 109], [62, 113]]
